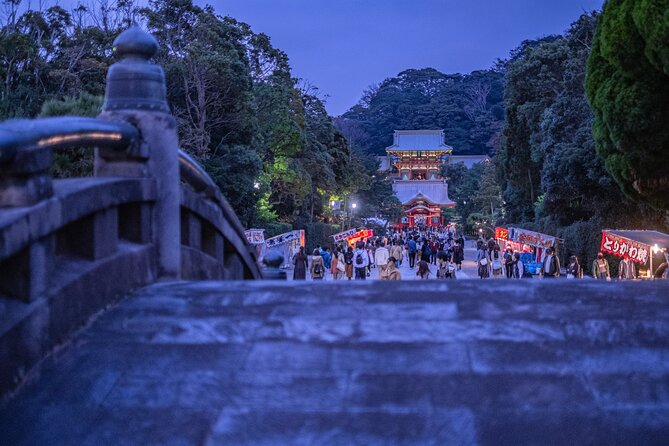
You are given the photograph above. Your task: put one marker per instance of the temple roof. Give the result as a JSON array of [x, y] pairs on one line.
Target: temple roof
[[434, 192], [410, 140]]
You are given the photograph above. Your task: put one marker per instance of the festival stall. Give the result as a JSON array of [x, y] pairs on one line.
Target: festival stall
[[530, 244], [645, 248]]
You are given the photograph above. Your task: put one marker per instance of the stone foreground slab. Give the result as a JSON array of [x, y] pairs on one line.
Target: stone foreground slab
[[461, 362]]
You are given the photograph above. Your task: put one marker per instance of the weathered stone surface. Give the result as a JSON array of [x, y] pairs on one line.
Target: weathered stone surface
[[347, 364]]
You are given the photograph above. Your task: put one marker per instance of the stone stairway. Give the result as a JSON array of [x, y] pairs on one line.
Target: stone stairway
[[443, 363]]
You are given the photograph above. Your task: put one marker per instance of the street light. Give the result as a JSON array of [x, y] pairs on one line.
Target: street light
[[354, 205]]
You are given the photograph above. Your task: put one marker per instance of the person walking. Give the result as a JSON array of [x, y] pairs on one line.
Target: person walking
[[600, 268], [518, 266], [496, 263], [445, 269], [434, 249], [337, 265], [626, 269], [423, 270], [458, 254], [574, 270], [392, 272], [381, 259], [425, 253], [550, 267], [396, 252], [327, 259], [482, 260], [508, 263], [360, 261], [317, 269], [411, 252], [301, 263], [348, 261]]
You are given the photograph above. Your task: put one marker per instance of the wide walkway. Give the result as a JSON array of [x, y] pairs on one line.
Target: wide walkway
[[461, 362], [468, 270]]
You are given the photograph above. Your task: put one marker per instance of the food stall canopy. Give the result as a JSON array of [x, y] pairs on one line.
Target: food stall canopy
[[649, 238], [535, 239], [634, 244]]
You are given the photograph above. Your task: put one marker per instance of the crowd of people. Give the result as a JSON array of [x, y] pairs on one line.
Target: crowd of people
[[438, 253], [492, 262], [419, 247]]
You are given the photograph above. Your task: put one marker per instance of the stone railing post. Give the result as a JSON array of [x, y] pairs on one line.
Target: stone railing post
[[136, 93], [273, 261]]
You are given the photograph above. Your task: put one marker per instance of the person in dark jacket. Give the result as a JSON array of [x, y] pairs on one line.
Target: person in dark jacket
[[301, 264], [411, 251], [550, 267], [508, 263], [458, 254], [348, 260]]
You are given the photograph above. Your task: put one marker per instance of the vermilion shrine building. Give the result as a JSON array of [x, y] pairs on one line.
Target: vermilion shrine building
[[417, 157]]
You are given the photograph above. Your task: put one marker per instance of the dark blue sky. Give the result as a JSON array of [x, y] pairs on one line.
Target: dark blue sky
[[343, 46]]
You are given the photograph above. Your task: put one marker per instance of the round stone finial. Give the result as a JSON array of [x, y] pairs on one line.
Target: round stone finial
[[133, 82], [134, 41], [273, 259]]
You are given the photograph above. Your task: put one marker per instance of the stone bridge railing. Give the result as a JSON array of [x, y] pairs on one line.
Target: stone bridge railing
[[70, 247]]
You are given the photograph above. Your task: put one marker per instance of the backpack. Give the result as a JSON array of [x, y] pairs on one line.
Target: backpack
[[358, 259], [318, 269]]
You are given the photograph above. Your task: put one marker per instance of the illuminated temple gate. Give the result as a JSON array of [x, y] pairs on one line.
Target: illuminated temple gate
[[417, 156]]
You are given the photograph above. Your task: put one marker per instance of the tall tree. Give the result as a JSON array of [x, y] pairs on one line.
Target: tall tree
[[628, 87]]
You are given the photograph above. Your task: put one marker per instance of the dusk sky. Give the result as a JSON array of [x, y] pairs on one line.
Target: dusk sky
[[343, 46]]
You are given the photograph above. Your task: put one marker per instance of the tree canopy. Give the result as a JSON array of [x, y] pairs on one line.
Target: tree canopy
[[552, 177], [628, 88], [468, 107], [266, 141]]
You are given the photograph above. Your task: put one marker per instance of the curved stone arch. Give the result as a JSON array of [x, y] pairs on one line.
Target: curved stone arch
[[69, 248]]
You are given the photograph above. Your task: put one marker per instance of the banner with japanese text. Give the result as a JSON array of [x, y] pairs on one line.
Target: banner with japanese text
[[283, 239], [344, 235], [531, 238], [501, 233], [624, 247], [255, 236]]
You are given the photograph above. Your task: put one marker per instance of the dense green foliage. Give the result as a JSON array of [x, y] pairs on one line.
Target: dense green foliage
[[628, 87], [468, 107], [268, 144], [552, 178], [73, 162], [319, 234]]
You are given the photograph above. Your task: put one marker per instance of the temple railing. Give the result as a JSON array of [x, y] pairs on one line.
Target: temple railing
[[70, 247], [211, 233]]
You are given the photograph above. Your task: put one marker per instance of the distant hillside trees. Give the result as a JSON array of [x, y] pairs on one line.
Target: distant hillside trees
[[468, 107]]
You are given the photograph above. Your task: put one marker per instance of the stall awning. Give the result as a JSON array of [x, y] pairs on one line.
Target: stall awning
[[649, 238], [633, 244]]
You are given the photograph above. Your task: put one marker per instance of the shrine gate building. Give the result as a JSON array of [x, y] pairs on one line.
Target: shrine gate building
[[417, 156]]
